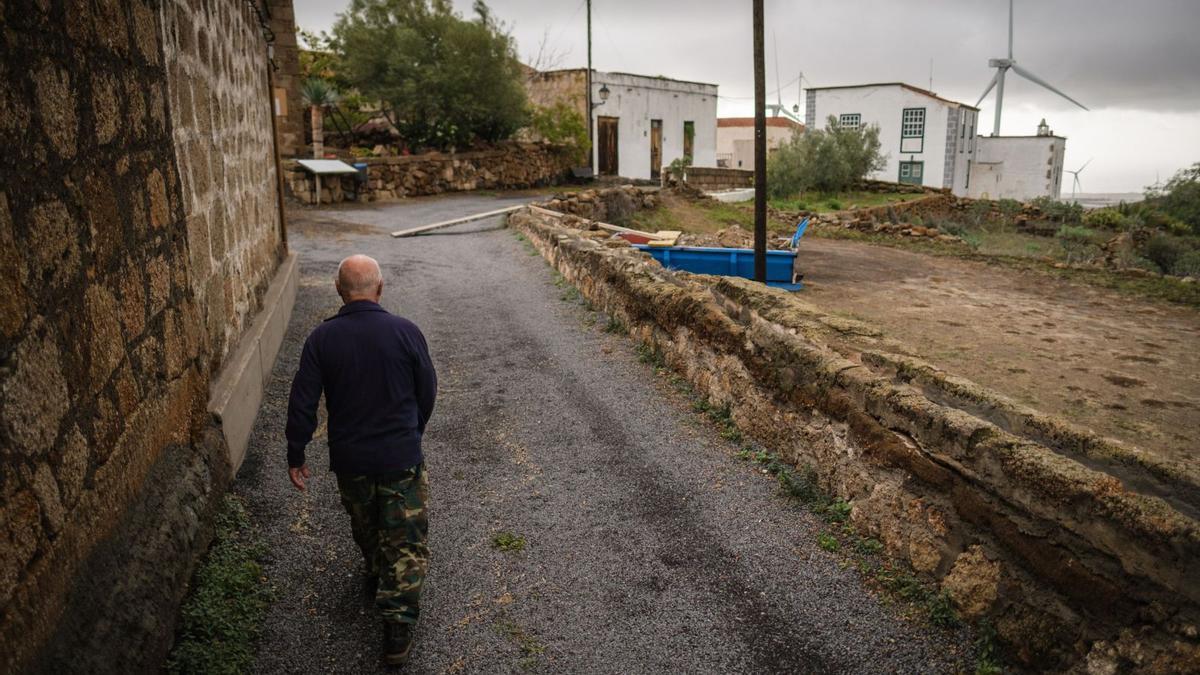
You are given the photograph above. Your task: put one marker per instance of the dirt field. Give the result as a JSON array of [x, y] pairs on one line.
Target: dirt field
[[1128, 369]]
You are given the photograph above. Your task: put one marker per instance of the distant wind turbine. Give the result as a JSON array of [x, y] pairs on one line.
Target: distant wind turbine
[[777, 107], [1076, 184], [1002, 66]]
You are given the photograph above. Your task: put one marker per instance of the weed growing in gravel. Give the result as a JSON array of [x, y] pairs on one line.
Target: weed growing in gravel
[[221, 618], [508, 542], [526, 244], [987, 659], [614, 326], [828, 542], [529, 645]]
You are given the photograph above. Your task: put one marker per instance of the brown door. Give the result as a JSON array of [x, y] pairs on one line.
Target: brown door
[[606, 138], [655, 148]]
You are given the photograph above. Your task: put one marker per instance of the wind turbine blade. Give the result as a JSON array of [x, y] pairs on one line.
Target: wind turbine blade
[[778, 88], [992, 85], [1080, 170], [1039, 81]]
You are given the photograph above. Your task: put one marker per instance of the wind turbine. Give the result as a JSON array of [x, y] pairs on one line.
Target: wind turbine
[[777, 107], [1076, 184], [1002, 66]]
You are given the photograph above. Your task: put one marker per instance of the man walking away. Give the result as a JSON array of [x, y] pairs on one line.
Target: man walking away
[[379, 386]]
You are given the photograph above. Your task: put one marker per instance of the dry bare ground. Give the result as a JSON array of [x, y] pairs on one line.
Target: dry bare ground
[[1126, 368]]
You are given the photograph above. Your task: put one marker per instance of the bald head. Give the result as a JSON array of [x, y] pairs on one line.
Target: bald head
[[359, 278]]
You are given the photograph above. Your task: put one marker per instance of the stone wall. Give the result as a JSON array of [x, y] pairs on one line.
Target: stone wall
[[291, 110], [109, 464], [1074, 556], [221, 118], [711, 179], [507, 166]]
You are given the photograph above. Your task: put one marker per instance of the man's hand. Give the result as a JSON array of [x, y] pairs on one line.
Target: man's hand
[[298, 474]]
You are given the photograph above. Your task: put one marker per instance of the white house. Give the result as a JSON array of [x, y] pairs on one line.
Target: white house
[[644, 123], [641, 123], [735, 139], [1018, 167], [928, 140]]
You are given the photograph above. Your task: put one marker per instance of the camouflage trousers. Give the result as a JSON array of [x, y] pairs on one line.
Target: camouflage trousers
[[387, 517]]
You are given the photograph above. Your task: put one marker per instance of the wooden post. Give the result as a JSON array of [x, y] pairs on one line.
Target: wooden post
[[760, 150]]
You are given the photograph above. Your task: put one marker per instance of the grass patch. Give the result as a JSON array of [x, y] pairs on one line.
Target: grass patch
[[508, 542], [828, 542], [856, 199], [221, 618], [614, 326], [529, 645]]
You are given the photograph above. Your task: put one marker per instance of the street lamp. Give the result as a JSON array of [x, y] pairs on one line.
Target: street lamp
[[603, 96]]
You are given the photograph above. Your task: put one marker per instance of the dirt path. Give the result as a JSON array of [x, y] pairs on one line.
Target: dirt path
[[649, 546], [1125, 368]]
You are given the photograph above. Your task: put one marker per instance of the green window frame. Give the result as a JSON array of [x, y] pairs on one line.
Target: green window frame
[[912, 173], [912, 123], [850, 120]]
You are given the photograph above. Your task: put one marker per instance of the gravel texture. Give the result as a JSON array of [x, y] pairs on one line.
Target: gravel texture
[[648, 545]]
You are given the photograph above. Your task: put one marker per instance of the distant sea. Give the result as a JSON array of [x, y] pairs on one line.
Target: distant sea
[[1097, 200]]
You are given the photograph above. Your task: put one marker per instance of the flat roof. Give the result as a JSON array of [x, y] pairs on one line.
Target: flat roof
[[749, 122], [923, 92], [614, 72]]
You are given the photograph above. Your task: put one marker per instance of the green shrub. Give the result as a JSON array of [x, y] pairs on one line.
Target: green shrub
[[1059, 212], [563, 125], [1109, 219], [827, 160], [1165, 250], [1180, 197], [1077, 243], [979, 211], [835, 204], [1009, 208], [1188, 265]]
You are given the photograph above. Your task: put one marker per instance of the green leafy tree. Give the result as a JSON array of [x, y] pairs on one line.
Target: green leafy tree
[[444, 81], [563, 125], [829, 160]]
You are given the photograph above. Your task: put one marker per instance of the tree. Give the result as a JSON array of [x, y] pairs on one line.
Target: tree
[[1180, 197], [828, 160], [563, 125], [444, 81], [318, 95]]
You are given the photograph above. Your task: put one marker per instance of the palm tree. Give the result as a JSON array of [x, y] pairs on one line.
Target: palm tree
[[318, 94]]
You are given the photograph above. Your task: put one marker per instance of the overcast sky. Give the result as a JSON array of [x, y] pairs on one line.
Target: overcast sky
[[1135, 64]]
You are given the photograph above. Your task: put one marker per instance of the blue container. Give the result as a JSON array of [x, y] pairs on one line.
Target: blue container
[[362, 171], [729, 262]]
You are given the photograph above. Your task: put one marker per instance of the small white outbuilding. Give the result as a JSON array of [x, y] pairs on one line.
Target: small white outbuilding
[[1018, 167], [641, 123]]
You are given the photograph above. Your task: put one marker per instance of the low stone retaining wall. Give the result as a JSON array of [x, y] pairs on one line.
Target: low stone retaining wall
[[712, 179], [507, 166], [1070, 564]]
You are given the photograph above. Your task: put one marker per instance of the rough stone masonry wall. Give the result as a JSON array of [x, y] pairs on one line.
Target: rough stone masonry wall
[[221, 117], [109, 465], [710, 179], [507, 166], [1071, 566]]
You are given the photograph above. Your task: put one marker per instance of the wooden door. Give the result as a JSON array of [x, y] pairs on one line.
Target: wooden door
[[606, 144], [655, 148]]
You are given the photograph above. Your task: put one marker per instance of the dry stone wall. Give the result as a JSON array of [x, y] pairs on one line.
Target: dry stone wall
[[507, 166], [1070, 563], [712, 179], [115, 214]]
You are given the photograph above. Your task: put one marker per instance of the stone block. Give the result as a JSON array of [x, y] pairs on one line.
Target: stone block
[[105, 342], [56, 100], [46, 490], [159, 275], [35, 397], [12, 275], [132, 306], [156, 192], [54, 242], [72, 466], [20, 532]]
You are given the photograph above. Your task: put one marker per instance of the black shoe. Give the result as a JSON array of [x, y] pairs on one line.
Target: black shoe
[[397, 642]]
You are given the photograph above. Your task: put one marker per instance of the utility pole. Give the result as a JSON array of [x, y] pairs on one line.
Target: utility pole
[[760, 149], [591, 132]]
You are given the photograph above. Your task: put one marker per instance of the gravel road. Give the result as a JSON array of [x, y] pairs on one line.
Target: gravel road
[[648, 546]]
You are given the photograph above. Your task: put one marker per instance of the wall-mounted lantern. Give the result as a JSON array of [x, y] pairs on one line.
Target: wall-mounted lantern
[[604, 92]]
